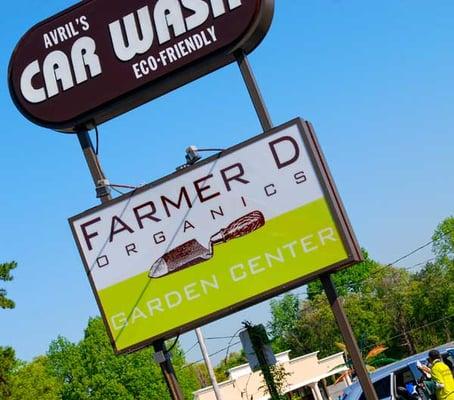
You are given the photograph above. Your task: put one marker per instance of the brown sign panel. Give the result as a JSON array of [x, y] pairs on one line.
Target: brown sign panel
[[101, 58]]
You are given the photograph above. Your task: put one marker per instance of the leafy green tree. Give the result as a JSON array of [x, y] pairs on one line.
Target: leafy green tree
[[91, 370], [5, 275], [34, 381], [377, 301], [233, 360], [443, 237], [200, 371], [316, 329], [393, 289], [8, 363], [348, 280], [285, 314], [433, 302]]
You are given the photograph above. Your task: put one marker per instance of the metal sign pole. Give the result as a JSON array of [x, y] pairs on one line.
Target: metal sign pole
[[103, 193], [206, 357], [99, 179], [254, 91], [327, 282], [349, 337], [163, 357]]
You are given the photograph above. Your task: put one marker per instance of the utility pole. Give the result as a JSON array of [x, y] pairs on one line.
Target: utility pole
[[206, 357]]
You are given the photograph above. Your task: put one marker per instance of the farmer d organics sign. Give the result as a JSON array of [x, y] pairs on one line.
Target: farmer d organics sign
[[235, 229], [101, 58]]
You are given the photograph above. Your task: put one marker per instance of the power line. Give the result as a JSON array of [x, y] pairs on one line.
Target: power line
[[410, 254], [211, 355], [384, 267], [192, 347], [381, 269], [220, 337], [351, 284], [418, 328], [230, 343], [419, 248]]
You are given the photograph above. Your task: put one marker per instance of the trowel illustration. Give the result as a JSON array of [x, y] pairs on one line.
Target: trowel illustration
[[192, 252]]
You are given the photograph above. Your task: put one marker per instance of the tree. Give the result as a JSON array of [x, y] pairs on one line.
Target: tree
[[5, 275], [285, 315], [200, 371], [34, 381], [8, 363], [348, 280], [89, 370], [392, 290], [443, 239], [377, 301], [233, 360], [316, 329], [433, 302]]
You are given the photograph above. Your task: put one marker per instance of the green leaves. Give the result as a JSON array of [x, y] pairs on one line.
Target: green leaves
[[33, 381], [8, 363], [89, 370], [5, 275], [285, 314], [443, 238], [233, 360]]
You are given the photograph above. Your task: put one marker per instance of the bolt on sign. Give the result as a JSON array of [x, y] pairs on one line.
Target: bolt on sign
[[233, 230], [102, 58]]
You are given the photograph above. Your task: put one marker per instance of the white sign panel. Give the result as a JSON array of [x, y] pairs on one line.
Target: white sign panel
[[203, 242]]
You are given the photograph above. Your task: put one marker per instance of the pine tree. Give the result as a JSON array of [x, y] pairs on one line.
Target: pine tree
[[5, 275]]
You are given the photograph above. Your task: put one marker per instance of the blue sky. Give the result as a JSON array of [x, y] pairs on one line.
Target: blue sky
[[375, 79]]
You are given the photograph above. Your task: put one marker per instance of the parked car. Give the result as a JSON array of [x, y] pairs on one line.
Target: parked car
[[388, 379]]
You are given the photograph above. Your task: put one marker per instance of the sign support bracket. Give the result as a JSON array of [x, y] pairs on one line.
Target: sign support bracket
[[103, 193], [327, 282], [347, 334]]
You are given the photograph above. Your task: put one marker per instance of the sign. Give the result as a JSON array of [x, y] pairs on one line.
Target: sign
[[102, 58], [233, 230]]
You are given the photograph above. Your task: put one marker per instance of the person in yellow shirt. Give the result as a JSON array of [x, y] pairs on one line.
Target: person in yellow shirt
[[442, 375]]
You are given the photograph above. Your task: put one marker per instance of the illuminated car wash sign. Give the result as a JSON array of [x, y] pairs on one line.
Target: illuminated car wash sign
[[101, 58], [235, 229]]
